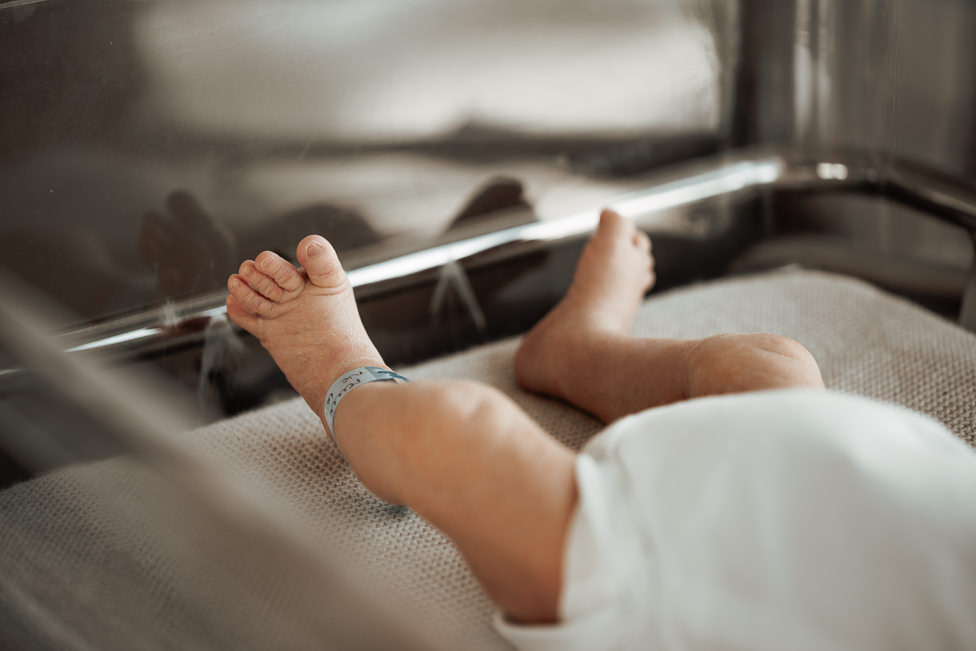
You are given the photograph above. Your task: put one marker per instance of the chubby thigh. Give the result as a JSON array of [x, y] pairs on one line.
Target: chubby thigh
[[804, 519]]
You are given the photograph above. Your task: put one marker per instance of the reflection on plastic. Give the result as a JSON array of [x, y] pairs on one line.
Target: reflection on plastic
[[452, 277]]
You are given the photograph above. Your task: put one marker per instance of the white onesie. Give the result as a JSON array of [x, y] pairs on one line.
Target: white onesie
[[778, 520]]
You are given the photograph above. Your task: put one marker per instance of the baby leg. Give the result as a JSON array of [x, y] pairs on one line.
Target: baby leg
[[460, 454], [583, 352]]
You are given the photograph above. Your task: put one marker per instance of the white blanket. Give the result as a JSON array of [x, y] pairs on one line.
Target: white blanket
[[784, 519]]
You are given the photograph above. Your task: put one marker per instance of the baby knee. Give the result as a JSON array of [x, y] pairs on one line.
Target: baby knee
[[782, 346], [750, 362], [796, 360]]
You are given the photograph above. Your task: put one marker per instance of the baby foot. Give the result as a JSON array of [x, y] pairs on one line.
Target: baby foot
[[614, 272], [306, 319]]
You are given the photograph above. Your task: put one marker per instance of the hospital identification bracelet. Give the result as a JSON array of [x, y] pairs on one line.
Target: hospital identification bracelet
[[349, 381]]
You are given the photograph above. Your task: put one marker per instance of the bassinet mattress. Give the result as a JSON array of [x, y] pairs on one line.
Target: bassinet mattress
[[73, 577]]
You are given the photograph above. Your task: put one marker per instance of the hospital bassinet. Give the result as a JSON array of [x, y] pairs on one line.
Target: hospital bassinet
[[803, 167]]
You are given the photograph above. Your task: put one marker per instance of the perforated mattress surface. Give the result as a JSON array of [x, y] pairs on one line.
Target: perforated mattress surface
[[72, 577]]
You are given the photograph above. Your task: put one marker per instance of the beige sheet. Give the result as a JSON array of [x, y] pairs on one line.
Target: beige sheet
[[75, 574]]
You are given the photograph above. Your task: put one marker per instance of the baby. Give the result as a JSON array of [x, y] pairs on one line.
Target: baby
[[756, 520]]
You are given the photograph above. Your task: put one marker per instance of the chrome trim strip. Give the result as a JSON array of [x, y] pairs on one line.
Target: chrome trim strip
[[730, 175]]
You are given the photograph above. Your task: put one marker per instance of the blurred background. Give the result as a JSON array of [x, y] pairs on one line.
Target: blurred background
[[366, 121]]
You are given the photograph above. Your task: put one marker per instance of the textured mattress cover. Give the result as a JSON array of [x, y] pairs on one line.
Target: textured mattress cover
[[72, 572]]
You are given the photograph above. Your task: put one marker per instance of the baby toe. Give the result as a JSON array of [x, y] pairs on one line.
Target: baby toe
[[641, 241], [249, 298], [260, 282], [280, 270], [240, 315], [321, 263]]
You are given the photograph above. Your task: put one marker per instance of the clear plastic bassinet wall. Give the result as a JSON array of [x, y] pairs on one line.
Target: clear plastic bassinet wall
[[147, 147]]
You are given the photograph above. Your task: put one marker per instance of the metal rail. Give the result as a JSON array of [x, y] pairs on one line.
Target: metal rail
[[735, 176]]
